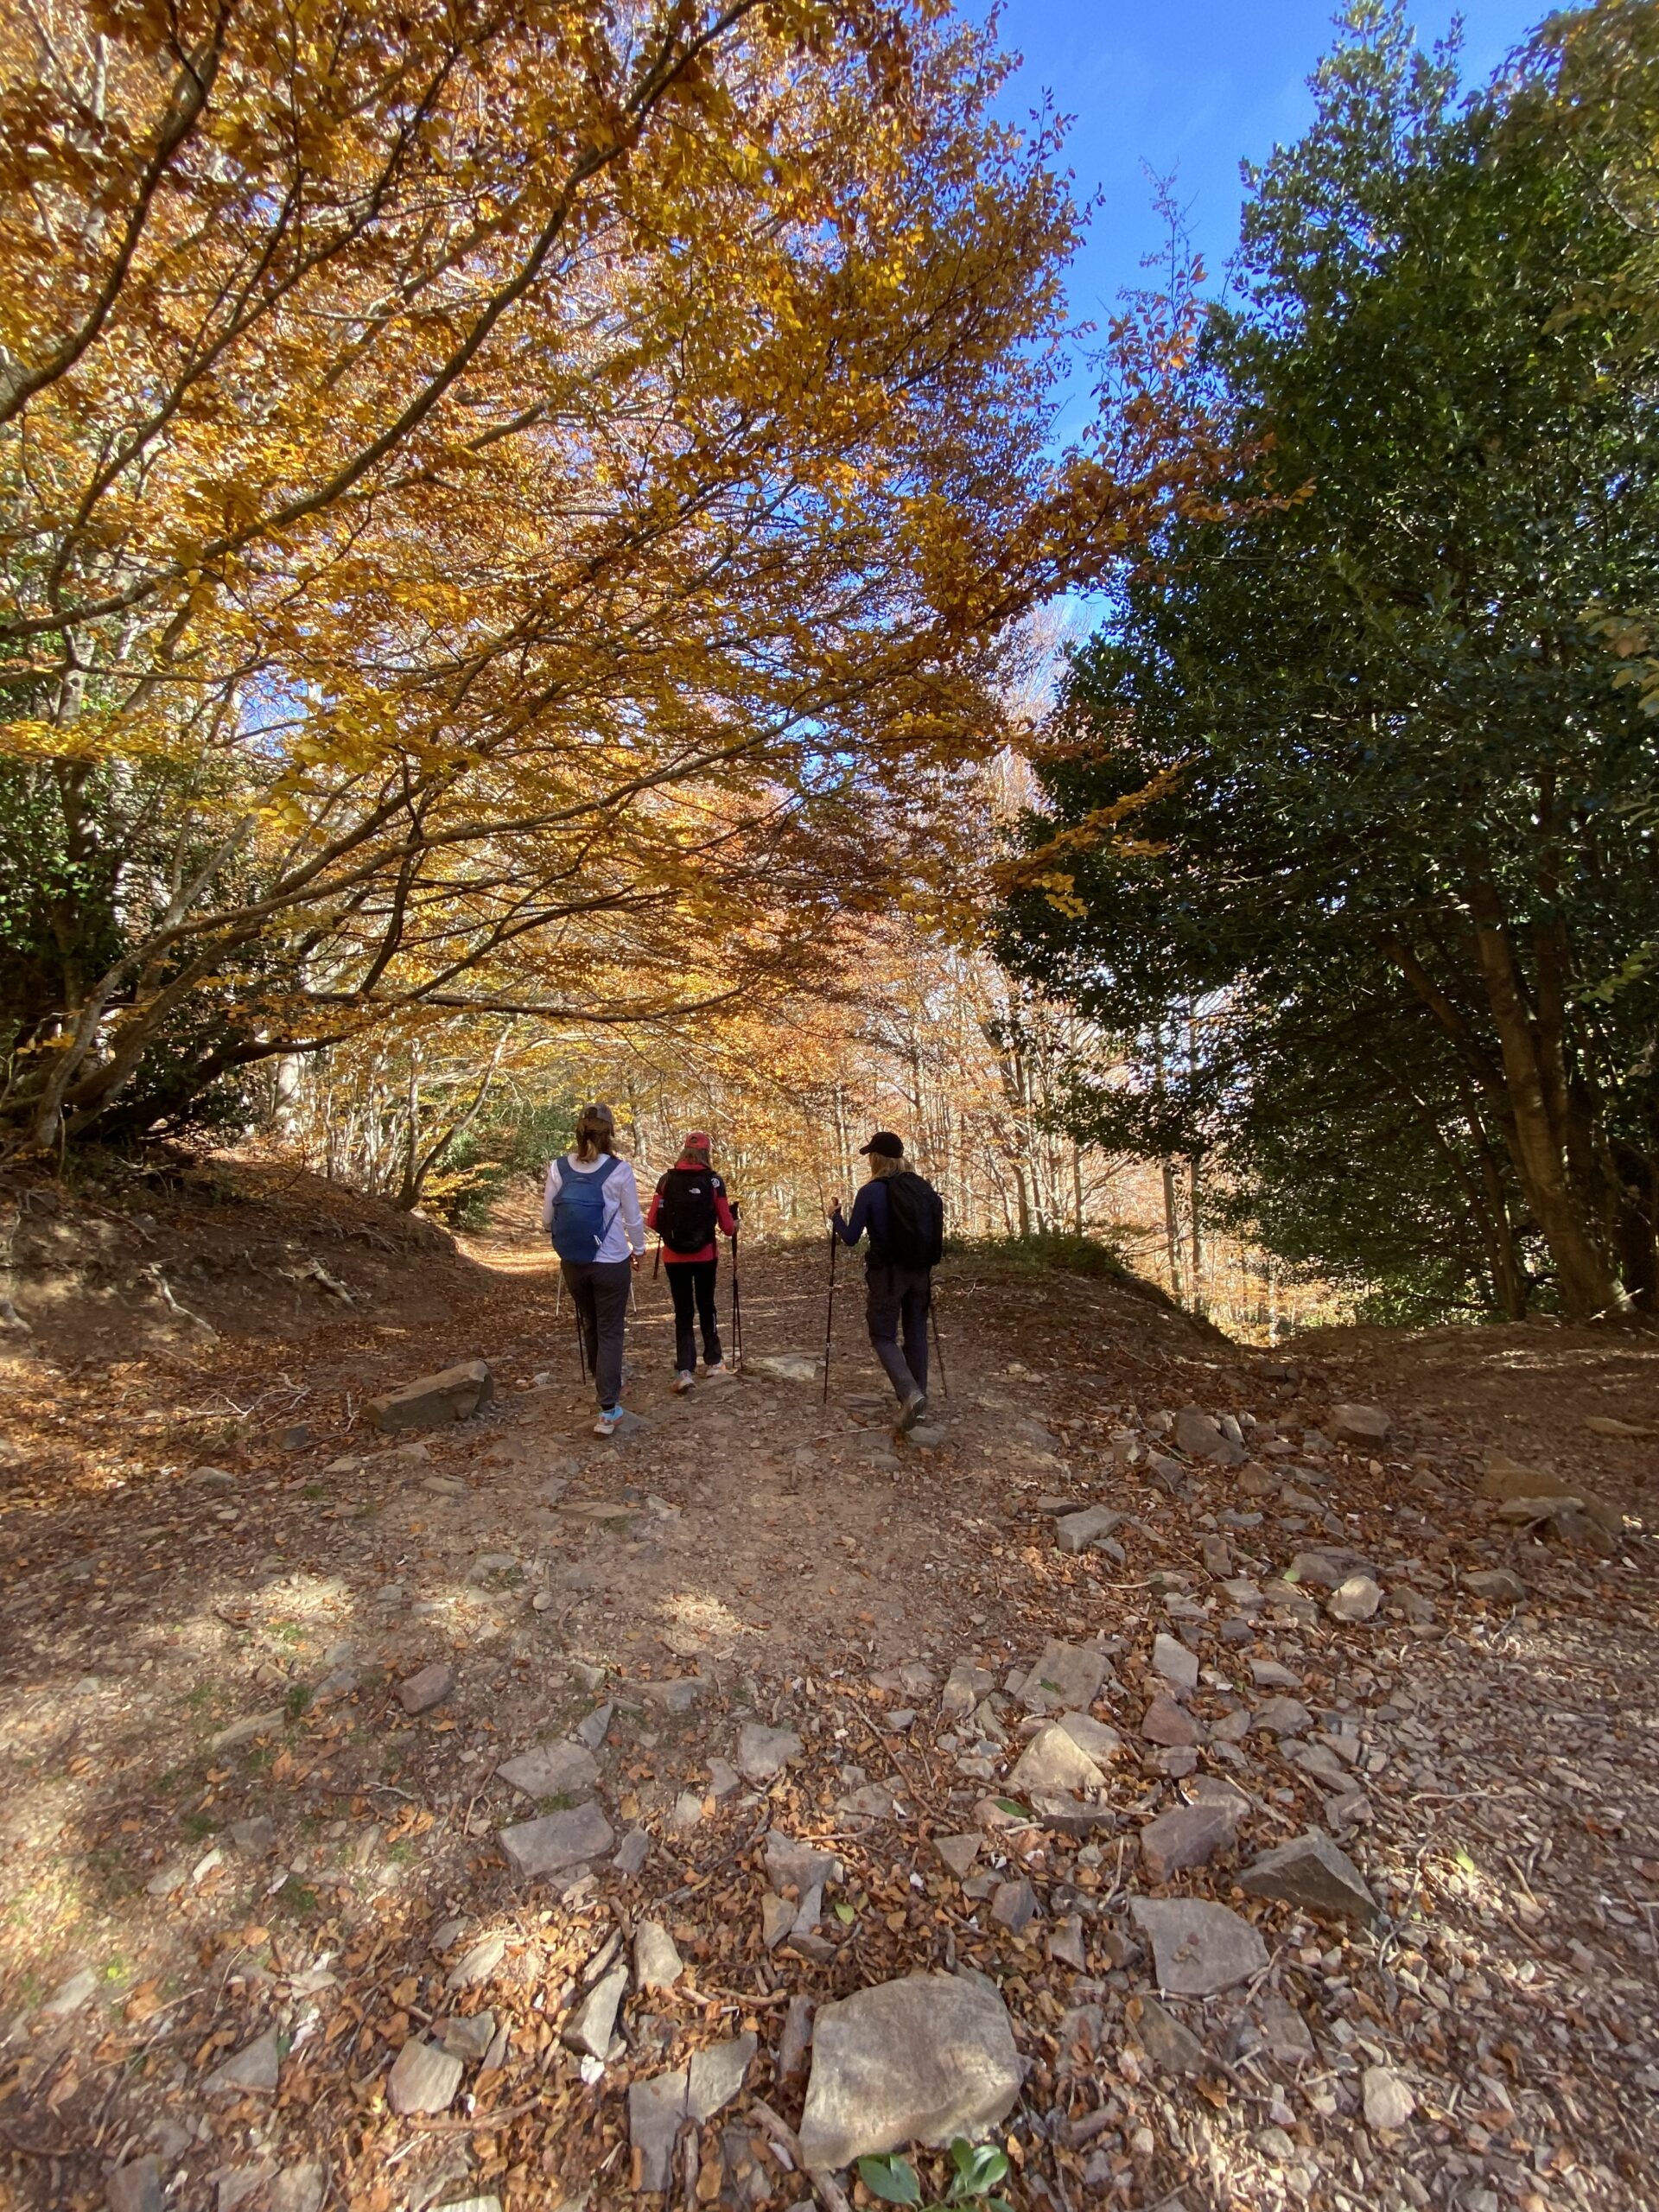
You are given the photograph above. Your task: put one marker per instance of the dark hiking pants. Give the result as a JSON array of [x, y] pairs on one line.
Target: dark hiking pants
[[899, 1297], [687, 1279], [599, 1291]]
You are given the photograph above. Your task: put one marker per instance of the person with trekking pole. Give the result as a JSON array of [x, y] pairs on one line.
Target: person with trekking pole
[[903, 1215], [591, 1211], [690, 1206]]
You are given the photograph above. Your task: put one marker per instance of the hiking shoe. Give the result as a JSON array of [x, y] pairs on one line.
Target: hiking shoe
[[914, 1407], [610, 1420], [683, 1381], [718, 1373]]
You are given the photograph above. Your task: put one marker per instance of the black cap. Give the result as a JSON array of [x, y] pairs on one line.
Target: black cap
[[885, 1143]]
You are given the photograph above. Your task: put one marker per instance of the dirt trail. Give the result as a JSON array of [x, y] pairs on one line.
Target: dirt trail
[[220, 1824]]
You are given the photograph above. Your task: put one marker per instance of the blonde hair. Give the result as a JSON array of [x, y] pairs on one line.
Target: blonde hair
[[596, 1132], [883, 1164]]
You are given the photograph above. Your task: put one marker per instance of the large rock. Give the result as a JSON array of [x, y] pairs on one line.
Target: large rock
[[557, 1840], [1066, 1677], [657, 1960], [965, 1685], [1354, 1599], [423, 2079], [1165, 1722], [592, 2023], [1054, 1761], [1312, 1872], [1364, 1426], [1201, 1438], [1188, 1835], [921, 2060], [455, 1394], [1080, 1532], [1178, 1666], [717, 2073], [1170, 2046], [420, 1692], [1506, 1479], [552, 1771], [253, 2070], [1199, 1949], [135, 2186], [1498, 1586], [763, 1753]]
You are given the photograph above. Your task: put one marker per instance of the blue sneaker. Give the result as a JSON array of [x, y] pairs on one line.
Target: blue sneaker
[[610, 1420]]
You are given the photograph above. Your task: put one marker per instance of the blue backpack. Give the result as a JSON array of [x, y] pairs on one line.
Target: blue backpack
[[579, 1208]]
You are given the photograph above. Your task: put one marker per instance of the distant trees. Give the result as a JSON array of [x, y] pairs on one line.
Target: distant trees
[[1350, 767]]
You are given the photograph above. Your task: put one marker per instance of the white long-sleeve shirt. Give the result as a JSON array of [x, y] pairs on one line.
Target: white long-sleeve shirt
[[625, 1225]]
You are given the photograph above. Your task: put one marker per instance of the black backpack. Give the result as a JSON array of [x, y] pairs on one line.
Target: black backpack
[[685, 1217], [915, 1221]]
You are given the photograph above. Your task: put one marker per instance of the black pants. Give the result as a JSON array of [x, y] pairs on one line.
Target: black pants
[[901, 1295], [599, 1291], [687, 1279]]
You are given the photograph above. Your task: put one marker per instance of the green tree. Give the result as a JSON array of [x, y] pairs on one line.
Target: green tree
[[1349, 763]]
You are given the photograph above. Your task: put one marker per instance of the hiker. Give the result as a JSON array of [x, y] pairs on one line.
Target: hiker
[[591, 1211], [689, 1206], [905, 1220]]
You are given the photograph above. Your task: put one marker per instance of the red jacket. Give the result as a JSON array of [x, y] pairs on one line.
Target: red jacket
[[723, 1215]]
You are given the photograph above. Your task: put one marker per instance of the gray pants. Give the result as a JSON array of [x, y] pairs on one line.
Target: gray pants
[[599, 1291], [900, 1296]]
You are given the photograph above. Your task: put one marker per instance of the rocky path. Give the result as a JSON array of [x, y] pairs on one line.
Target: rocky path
[[1199, 1788]]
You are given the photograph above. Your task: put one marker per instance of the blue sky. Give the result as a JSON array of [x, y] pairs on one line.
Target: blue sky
[[1192, 86]]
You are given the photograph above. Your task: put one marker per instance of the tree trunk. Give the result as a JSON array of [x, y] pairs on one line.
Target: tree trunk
[[1172, 1229]]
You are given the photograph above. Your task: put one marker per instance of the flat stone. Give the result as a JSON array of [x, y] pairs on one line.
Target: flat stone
[[1505, 1478], [632, 1851], [1354, 1599], [212, 1478], [454, 1394], [1268, 1674], [763, 1753], [723, 1778], [1498, 1586], [1282, 1716], [243, 1732], [135, 2186], [466, 2037], [420, 1691], [1316, 1570], [593, 1731], [965, 1685], [1365, 1426], [252, 2071], [686, 1812], [1066, 1676], [557, 1840], [1217, 1556], [1198, 1947], [1173, 2048], [675, 1696], [424, 2079], [1080, 1532], [920, 2060], [1388, 2098], [552, 1771], [1171, 1659], [1202, 1438], [1311, 1871], [1014, 1905], [1165, 1722], [1100, 1741], [717, 2073], [657, 1962], [796, 2038], [1065, 1944], [479, 1964], [301, 2188], [656, 2108], [1286, 2034], [777, 1919], [69, 1996], [1053, 1760], [1187, 1836], [592, 2023], [958, 1851]]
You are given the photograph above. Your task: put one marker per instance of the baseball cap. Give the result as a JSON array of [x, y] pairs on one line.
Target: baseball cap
[[885, 1143]]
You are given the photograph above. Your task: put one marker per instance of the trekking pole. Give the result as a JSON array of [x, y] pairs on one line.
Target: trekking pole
[[582, 1341], [939, 1342], [656, 1263], [829, 1312], [737, 1310]]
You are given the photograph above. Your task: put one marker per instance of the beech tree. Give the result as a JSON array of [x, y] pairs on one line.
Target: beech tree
[[1354, 762], [504, 508]]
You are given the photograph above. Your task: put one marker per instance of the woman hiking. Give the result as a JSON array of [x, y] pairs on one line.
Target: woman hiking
[[690, 1205], [591, 1211]]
